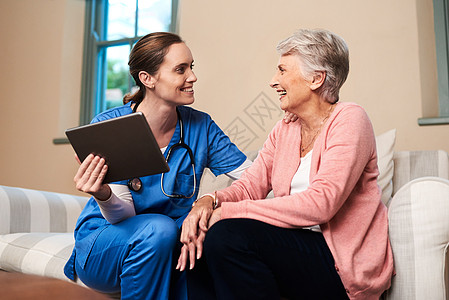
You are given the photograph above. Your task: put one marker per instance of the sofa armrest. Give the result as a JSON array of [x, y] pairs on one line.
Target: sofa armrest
[[25, 210], [419, 233], [209, 183]]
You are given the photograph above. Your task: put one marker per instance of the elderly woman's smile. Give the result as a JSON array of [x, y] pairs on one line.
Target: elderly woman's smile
[[281, 93]]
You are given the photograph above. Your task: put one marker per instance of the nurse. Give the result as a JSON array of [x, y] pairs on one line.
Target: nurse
[[127, 235]]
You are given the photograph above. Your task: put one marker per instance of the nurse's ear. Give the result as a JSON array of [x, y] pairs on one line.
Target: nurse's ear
[[146, 79]]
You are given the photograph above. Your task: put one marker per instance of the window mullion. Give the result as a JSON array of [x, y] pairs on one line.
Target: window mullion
[[131, 82], [441, 14], [174, 15], [87, 84], [136, 23]]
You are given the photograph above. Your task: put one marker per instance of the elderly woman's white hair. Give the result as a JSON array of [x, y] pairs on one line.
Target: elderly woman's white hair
[[320, 50]]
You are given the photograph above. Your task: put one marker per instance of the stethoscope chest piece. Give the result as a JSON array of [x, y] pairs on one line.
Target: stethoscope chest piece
[[135, 184]]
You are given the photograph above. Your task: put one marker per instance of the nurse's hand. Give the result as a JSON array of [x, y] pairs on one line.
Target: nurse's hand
[[193, 231], [90, 176], [190, 252]]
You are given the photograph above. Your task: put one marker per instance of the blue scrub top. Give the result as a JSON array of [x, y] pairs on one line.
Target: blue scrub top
[[211, 148]]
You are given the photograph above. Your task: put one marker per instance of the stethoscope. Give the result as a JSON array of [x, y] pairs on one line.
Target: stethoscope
[[135, 184]]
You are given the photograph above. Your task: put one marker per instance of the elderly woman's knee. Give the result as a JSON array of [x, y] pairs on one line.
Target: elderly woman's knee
[[217, 239], [226, 237]]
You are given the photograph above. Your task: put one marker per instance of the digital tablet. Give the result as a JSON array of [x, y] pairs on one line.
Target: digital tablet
[[126, 143]]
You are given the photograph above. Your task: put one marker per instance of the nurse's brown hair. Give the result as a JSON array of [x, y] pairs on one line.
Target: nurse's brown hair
[[147, 55]]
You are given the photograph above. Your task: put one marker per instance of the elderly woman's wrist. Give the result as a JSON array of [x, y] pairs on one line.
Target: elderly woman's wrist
[[212, 196]]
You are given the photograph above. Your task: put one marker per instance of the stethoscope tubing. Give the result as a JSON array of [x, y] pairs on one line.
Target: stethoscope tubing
[[135, 184]]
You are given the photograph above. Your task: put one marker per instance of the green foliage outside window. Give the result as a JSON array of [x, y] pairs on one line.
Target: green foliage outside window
[[117, 79]]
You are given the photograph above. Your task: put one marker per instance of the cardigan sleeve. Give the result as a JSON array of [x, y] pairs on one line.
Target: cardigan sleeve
[[344, 164], [255, 182]]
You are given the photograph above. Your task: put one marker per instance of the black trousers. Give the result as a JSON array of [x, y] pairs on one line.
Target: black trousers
[[249, 259]]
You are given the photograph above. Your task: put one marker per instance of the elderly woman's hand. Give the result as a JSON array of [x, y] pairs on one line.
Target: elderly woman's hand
[[90, 176], [216, 216], [193, 232], [290, 117]]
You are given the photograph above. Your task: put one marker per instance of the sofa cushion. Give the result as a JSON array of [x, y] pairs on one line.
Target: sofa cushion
[[385, 150], [419, 233], [36, 253], [26, 210], [210, 182], [42, 254]]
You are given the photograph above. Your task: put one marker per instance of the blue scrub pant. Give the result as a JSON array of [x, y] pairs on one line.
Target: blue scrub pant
[[136, 257]]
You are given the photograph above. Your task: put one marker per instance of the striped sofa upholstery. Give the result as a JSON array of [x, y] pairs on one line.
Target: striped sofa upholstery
[[409, 165], [36, 230]]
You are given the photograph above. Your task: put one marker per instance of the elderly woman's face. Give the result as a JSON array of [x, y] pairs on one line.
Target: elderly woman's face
[[293, 89]]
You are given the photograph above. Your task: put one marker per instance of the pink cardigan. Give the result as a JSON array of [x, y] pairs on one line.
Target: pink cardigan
[[343, 196]]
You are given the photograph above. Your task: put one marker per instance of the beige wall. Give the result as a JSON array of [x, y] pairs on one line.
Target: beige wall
[[40, 78], [393, 72]]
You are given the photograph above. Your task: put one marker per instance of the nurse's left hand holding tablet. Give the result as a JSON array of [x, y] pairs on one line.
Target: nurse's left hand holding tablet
[[90, 176]]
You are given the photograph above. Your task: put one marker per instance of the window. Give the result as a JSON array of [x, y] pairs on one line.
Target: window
[[441, 19], [111, 29]]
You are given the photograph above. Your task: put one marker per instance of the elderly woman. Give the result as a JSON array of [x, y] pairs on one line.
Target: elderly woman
[[324, 235]]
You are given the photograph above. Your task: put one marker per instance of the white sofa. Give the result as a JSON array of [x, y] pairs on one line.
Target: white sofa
[[36, 227]]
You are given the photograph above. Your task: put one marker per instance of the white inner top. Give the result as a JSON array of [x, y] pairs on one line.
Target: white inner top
[[300, 181]]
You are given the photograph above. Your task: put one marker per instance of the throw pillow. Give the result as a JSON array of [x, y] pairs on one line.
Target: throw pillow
[[385, 150]]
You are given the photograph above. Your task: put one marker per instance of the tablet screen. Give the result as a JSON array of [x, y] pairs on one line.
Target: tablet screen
[[126, 143]]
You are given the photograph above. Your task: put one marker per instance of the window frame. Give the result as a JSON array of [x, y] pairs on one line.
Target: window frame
[[94, 57], [441, 24]]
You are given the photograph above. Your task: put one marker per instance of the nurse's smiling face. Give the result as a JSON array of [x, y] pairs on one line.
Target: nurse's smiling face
[[173, 82]]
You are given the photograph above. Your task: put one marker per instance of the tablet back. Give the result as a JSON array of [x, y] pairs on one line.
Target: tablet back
[[127, 144]]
